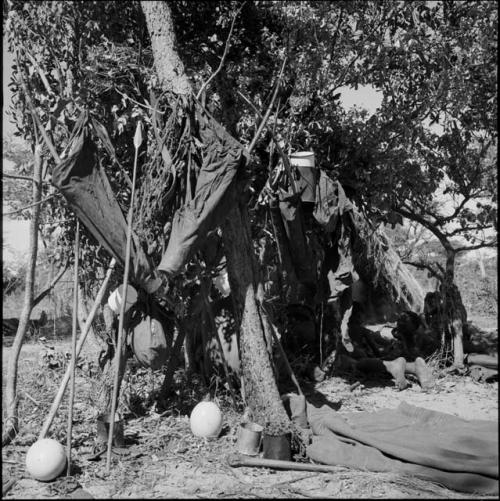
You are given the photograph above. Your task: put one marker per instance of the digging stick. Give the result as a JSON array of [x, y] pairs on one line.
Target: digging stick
[[73, 347], [118, 350], [236, 460], [83, 335]]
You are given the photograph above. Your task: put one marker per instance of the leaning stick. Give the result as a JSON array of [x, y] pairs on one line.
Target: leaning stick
[[236, 460], [118, 350], [83, 336], [285, 359], [283, 355], [73, 347]]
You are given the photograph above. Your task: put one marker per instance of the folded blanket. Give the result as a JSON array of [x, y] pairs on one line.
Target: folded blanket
[[460, 454]]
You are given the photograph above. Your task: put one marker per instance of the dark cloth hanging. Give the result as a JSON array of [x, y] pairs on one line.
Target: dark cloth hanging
[[86, 188], [300, 251], [215, 192]]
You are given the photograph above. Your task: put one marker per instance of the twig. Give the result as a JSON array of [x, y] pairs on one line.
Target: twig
[[27, 395], [298, 479], [24, 178], [52, 284], [8, 486], [40, 72], [268, 112], [283, 155], [224, 55], [126, 96], [28, 206], [354, 385], [36, 118]]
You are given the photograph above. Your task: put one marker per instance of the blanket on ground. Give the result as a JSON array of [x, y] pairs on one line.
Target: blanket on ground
[[457, 453]]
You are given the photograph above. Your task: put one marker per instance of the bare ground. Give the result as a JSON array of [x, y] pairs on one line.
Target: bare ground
[[164, 459]]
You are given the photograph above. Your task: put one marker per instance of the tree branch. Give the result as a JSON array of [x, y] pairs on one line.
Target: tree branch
[[481, 227], [28, 206], [52, 284], [283, 155], [481, 245], [40, 72], [36, 118], [224, 55], [419, 219], [268, 111], [24, 178], [425, 266]]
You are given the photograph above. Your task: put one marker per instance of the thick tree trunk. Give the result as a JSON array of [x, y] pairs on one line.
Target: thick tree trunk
[[260, 386], [261, 391], [169, 66], [11, 399]]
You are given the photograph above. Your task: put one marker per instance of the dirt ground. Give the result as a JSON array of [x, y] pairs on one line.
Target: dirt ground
[[164, 460]]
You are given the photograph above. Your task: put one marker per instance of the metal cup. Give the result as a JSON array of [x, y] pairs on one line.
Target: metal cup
[[249, 438]]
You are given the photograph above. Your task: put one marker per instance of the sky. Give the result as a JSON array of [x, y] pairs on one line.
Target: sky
[[7, 60]]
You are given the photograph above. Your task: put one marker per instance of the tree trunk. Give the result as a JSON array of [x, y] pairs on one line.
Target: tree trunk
[[11, 398], [261, 391], [454, 311], [169, 66], [260, 386]]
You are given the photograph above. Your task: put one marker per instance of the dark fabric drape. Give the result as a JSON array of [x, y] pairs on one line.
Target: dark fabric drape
[[214, 194], [86, 188]]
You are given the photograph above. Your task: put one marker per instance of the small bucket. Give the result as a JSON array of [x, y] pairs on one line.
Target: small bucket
[[249, 438], [307, 174], [103, 422], [277, 447]]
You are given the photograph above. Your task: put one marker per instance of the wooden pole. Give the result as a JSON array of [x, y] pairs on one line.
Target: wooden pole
[[118, 350], [83, 335], [73, 347]]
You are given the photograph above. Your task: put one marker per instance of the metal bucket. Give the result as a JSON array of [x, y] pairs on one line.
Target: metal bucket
[[103, 422], [277, 447], [249, 438], [303, 164]]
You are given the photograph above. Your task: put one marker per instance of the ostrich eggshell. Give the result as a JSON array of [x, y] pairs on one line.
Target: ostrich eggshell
[[206, 420]]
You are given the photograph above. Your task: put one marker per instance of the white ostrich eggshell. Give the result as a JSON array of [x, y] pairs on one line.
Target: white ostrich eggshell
[[46, 459], [206, 420]]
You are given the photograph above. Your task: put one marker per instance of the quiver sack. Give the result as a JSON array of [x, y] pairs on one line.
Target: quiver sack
[[148, 342]]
